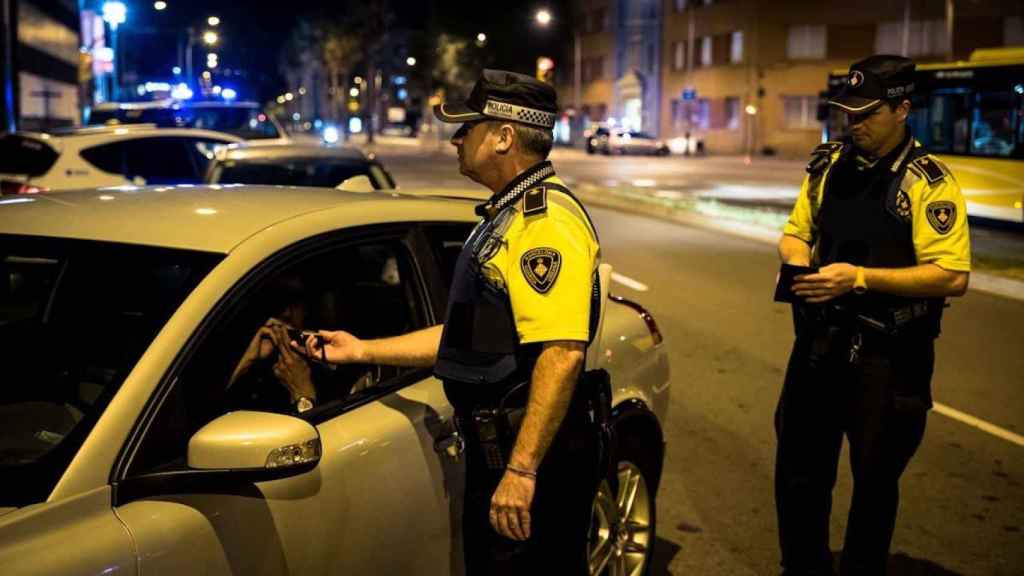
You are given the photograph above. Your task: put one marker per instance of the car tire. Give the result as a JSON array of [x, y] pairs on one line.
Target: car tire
[[623, 520]]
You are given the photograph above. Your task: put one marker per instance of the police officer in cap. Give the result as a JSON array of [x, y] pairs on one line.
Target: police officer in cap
[[522, 308], [884, 223]]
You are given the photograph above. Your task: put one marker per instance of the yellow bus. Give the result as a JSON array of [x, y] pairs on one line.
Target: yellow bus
[[970, 114]]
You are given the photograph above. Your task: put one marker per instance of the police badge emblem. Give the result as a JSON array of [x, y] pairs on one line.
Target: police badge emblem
[[903, 205], [541, 267], [942, 216]]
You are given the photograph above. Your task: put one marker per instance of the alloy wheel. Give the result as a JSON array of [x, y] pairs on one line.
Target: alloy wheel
[[620, 528]]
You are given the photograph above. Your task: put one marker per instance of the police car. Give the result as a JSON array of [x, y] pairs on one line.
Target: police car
[[128, 445]]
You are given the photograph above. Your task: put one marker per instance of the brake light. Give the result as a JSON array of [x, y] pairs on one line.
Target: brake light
[[9, 187], [644, 315]]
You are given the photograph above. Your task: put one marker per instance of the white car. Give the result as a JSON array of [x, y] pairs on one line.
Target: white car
[[142, 428], [137, 154], [620, 141]]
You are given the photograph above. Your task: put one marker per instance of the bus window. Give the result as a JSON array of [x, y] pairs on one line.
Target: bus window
[[993, 124]]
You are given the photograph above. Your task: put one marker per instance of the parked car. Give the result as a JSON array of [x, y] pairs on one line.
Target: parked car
[[299, 165], [596, 139], [247, 120], [619, 141], [124, 430], [136, 154]]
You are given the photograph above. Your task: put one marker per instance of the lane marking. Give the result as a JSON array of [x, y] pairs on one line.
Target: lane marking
[[978, 423], [629, 282]]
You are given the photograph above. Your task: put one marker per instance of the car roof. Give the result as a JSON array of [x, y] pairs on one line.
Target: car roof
[[211, 218], [286, 150]]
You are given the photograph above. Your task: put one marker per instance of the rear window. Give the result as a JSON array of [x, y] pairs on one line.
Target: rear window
[[22, 155]]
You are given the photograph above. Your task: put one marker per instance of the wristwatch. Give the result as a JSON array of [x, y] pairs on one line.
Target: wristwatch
[[303, 404], [860, 285]]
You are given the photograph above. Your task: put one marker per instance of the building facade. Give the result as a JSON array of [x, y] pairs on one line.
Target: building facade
[[745, 76]]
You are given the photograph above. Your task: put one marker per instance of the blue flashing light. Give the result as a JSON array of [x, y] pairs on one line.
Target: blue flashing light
[[331, 134], [398, 80], [228, 94], [115, 13], [355, 125], [403, 93], [182, 92]]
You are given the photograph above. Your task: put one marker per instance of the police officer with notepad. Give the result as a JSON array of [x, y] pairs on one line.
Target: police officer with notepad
[[523, 305], [884, 224]]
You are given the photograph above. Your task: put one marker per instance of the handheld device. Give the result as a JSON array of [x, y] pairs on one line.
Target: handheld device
[[787, 276]]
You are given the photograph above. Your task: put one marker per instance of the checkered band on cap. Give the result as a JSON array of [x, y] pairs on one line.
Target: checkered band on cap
[[519, 114]]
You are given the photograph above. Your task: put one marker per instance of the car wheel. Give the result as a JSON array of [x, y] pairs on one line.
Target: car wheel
[[622, 527]]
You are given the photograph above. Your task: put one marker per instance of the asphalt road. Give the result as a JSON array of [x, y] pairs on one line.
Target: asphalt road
[[962, 507]]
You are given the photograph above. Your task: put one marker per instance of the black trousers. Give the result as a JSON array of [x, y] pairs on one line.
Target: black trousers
[[880, 403], [560, 513]]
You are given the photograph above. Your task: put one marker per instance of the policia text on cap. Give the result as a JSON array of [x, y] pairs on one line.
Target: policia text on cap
[[885, 224], [521, 311]]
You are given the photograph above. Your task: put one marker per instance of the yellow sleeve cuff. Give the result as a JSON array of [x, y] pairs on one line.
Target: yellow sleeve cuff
[[553, 336]]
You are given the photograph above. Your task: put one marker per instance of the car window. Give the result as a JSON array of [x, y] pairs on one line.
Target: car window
[[22, 155], [446, 242], [107, 157], [368, 289], [163, 160], [74, 319], [247, 123], [293, 172]]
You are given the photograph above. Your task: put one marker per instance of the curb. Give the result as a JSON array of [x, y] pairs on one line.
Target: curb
[[980, 281]]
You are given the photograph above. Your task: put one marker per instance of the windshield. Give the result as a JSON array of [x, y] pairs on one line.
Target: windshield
[[301, 172], [75, 317], [247, 123]]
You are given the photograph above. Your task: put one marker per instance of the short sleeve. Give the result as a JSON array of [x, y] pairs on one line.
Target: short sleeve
[[941, 234], [549, 274], [801, 220]]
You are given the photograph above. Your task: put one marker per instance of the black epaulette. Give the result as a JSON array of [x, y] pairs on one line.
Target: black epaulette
[[535, 201], [822, 155], [930, 168]]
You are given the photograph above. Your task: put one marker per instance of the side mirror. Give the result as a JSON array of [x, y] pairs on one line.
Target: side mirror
[[251, 441]]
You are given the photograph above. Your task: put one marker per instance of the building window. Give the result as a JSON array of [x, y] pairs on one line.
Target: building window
[[736, 47], [805, 43], [702, 120], [927, 38], [801, 112], [1013, 31], [593, 68], [732, 113], [680, 6], [705, 51], [678, 55]]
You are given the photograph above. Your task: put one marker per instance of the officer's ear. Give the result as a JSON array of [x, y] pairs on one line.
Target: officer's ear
[[903, 110], [506, 138]]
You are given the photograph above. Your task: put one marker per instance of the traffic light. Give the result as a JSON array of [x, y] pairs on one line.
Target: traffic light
[[545, 69]]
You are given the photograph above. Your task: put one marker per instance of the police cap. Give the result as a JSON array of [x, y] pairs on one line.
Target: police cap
[[873, 80], [503, 95]]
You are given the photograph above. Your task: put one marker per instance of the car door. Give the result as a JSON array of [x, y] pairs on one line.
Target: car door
[[380, 500]]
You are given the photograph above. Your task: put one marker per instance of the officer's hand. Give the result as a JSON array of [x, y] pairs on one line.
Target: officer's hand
[[830, 282], [510, 506], [339, 347]]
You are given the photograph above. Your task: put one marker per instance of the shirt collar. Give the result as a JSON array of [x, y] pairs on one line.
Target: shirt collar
[[515, 189], [892, 160]]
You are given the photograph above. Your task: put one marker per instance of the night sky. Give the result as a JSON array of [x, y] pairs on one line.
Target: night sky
[[254, 31]]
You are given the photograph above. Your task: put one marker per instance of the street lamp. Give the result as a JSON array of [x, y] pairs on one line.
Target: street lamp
[[210, 37], [213, 21], [161, 5], [114, 14], [481, 39], [544, 18], [410, 61]]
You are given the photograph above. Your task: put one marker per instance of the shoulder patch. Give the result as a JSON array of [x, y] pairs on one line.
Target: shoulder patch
[[535, 201], [930, 168], [541, 267], [822, 156], [941, 215]]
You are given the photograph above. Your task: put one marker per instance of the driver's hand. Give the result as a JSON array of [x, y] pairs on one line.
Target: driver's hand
[[290, 368], [260, 347], [339, 347]]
